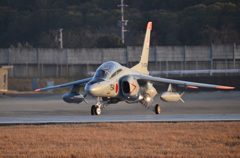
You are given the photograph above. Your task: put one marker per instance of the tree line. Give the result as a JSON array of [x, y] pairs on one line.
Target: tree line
[[93, 23]]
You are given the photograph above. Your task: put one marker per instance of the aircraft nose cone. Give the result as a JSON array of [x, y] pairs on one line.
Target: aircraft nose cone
[[89, 89]]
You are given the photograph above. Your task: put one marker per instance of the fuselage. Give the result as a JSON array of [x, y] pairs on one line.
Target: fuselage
[[111, 80]]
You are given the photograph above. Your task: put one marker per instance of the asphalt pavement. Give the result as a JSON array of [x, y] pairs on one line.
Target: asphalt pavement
[[50, 104]]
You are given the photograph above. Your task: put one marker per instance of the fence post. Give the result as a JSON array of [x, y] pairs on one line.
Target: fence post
[[37, 55], [42, 71], [155, 56], [72, 72], [61, 70], [166, 68], [160, 68], [226, 67], [196, 66], [27, 70], [8, 56], [181, 74], [102, 55], [49, 84], [234, 56], [211, 56], [67, 73], [13, 72], [56, 70], [126, 55], [87, 69], [34, 83], [38, 65], [184, 57]]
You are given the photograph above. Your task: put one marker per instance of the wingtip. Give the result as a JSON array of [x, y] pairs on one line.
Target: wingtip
[[149, 26], [223, 87], [37, 90]]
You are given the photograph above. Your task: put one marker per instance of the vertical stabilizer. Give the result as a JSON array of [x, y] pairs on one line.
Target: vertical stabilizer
[[142, 66]]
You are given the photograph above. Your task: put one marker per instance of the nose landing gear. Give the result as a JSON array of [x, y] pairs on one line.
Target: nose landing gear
[[95, 110]]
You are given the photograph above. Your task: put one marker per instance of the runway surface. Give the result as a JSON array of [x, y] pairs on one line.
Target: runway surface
[[50, 108], [120, 118]]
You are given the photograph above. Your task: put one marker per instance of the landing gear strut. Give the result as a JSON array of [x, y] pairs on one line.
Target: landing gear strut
[[157, 109]]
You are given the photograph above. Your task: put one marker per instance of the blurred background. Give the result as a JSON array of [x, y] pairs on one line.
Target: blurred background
[[65, 40]]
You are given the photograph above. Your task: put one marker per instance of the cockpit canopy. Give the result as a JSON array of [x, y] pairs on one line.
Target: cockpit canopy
[[107, 70]]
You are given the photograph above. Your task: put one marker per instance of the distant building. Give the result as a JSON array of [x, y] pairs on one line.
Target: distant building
[[4, 77]]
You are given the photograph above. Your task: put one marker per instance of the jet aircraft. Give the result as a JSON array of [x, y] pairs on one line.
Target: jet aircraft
[[113, 83]]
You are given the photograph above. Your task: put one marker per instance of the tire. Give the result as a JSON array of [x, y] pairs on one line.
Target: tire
[[93, 110], [97, 110], [157, 109]]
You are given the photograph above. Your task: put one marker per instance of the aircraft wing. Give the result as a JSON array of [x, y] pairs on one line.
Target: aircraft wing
[[156, 80], [79, 82]]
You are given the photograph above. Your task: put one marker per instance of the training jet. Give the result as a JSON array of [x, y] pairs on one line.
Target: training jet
[[113, 83]]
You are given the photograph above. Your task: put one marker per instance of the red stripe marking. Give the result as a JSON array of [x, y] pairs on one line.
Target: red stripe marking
[[192, 87], [37, 90], [222, 87], [116, 89]]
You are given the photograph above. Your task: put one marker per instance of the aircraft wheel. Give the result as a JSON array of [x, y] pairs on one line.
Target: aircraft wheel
[[157, 109], [93, 110], [97, 110]]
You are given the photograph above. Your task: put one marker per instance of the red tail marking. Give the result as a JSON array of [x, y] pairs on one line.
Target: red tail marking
[[37, 90], [149, 26]]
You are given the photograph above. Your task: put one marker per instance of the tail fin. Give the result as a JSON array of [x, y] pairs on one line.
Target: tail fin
[[142, 66]]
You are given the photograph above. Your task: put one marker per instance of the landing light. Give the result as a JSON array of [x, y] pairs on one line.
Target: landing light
[[148, 99], [140, 97]]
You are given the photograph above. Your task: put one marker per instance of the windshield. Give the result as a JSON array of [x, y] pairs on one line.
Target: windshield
[[102, 74], [106, 70]]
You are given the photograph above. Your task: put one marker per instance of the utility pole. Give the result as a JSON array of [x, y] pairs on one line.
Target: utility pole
[[123, 22], [60, 39]]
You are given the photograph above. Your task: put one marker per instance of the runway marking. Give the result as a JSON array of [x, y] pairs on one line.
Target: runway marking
[[119, 118]]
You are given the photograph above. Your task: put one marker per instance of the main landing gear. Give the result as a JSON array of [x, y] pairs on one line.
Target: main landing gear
[[147, 101], [157, 109], [97, 109]]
